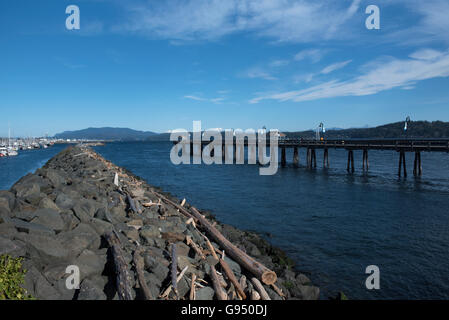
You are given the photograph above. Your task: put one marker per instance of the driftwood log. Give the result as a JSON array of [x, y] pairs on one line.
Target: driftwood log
[[232, 278], [259, 287], [266, 275], [192, 287], [121, 267], [219, 291], [139, 264], [174, 268], [177, 206]]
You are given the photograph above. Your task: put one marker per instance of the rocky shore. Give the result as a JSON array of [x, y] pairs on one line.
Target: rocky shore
[[130, 240]]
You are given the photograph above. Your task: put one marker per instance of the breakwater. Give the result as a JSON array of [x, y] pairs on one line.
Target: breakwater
[[132, 241]]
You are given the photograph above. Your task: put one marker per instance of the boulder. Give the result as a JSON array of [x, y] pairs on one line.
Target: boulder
[[155, 266], [47, 247], [29, 227], [8, 198], [302, 279], [90, 290], [70, 220], [100, 226], [103, 214], [49, 218], [80, 238], [150, 231], [63, 201], [206, 293], [8, 246], [85, 210], [47, 203], [26, 215], [56, 177], [305, 292], [182, 249], [90, 263], [39, 287], [7, 230]]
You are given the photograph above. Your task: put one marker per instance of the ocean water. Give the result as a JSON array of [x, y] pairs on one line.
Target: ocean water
[[13, 168], [331, 223]]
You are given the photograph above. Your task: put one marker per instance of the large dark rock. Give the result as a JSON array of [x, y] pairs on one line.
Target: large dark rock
[[90, 290], [39, 287], [90, 263], [56, 177], [47, 203], [85, 209], [70, 220], [7, 230], [63, 201], [206, 293], [29, 227], [80, 238], [7, 199], [49, 218], [45, 248], [8, 246], [305, 292]]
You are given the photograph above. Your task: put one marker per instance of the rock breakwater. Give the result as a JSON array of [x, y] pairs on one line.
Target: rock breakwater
[[132, 241]]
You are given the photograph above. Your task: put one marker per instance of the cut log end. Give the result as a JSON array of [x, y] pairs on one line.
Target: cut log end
[[269, 277]]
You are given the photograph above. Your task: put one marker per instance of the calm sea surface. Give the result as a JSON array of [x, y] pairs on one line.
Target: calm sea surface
[[333, 224]]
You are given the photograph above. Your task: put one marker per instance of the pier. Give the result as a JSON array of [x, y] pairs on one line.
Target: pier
[[399, 145]]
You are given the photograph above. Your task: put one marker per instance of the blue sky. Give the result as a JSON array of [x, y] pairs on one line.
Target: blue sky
[[159, 65]]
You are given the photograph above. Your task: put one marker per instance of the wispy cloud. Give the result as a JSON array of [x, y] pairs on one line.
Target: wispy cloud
[[212, 100], [281, 20], [397, 73], [335, 66], [279, 63], [258, 73], [313, 55]]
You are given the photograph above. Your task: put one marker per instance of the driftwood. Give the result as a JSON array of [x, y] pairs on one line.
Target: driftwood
[[121, 267], [177, 206], [255, 295], [242, 282], [221, 279], [232, 278], [139, 264], [211, 248], [219, 291], [192, 288], [257, 285], [170, 287], [195, 247], [266, 275], [174, 267], [131, 203], [278, 291]]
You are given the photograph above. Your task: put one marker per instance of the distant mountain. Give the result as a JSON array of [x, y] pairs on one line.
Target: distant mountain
[[416, 129], [107, 133]]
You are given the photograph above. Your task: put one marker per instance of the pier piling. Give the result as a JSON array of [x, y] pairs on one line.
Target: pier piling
[[295, 157], [309, 158], [365, 162], [417, 168], [350, 167], [283, 157], [314, 158], [402, 164], [326, 158]]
